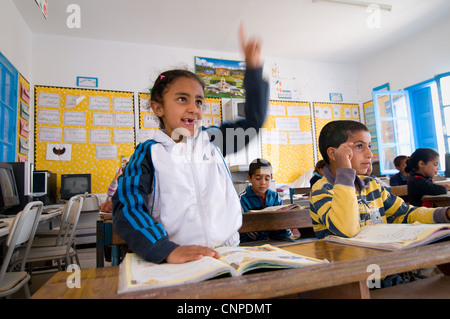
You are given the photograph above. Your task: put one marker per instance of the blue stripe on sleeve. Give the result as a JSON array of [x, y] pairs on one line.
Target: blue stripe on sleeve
[[133, 201]]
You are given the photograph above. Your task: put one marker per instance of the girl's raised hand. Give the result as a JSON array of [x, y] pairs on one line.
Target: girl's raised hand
[[251, 49]]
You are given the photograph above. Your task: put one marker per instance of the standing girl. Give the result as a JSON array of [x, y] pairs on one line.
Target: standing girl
[[423, 166], [176, 200]]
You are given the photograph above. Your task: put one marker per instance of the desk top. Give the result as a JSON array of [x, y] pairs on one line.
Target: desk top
[[44, 217], [348, 265]]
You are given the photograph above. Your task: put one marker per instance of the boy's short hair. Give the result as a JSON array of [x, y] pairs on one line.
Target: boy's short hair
[[398, 160], [257, 164], [335, 133], [320, 164]]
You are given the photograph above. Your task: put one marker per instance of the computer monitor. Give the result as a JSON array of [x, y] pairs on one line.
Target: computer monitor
[[74, 184], [9, 197], [39, 183], [44, 187], [22, 174]]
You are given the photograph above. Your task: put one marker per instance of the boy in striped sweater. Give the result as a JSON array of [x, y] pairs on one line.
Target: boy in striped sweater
[[345, 200]]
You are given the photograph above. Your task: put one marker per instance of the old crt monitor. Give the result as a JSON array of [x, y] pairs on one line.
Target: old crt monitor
[[233, 110], [44, 187], [74, 184], [22, 174], [9, 196]]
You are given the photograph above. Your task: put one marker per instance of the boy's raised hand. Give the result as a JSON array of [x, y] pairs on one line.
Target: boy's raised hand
[[251, 49], [343, 155]]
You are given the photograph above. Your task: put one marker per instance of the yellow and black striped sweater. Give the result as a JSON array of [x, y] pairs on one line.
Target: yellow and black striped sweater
[[341, 204]]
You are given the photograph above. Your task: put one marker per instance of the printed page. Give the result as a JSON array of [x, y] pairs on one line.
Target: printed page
[[391, 233], [238, 256], [140, 271]]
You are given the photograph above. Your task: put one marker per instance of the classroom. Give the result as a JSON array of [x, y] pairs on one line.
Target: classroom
[[75, 96]]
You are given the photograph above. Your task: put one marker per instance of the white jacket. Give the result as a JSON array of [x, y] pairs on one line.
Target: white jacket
[[194, 198]]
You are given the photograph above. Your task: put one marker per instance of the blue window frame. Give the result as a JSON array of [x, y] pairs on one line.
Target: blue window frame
[[443, 88], [8, 110], [426, 117], [393, 126]]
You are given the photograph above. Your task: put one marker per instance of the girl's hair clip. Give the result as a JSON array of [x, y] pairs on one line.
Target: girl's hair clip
[[162, 77]]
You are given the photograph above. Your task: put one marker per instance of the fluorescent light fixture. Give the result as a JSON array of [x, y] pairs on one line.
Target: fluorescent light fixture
[[386, 7]]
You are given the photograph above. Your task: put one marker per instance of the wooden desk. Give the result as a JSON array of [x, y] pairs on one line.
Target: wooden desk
[[45, 217], [275, 220], [251, 222], [400, 191], [439, 200], [347, 270]]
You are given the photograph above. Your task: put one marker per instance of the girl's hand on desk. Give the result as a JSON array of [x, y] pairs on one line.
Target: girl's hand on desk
[[183, 254]]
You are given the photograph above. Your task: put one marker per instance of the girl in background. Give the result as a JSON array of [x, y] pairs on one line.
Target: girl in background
[[423, 165]]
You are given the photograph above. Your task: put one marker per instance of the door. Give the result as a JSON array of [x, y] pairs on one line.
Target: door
[[421, 99], [8, 110]]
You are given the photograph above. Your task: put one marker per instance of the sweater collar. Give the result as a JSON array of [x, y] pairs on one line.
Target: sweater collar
[[331, 178]]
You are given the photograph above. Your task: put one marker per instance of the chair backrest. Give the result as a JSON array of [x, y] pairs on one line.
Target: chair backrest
[[22, 230], [63, 223], [91, 203], [75, 206]]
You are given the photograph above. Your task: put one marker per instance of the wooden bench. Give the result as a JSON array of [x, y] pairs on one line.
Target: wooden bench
[[401, 191], [275, 220]]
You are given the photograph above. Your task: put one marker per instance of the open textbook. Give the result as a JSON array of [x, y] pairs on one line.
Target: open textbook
[[395, 236], [279, 207], [138, 274]]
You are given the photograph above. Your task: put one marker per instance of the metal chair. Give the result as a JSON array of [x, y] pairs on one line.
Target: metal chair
[[22, 231], [64, 248]]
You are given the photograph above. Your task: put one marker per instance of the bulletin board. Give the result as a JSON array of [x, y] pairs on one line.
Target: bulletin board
[[327, 112], [369, 118], [80, 131], [23, 116], [287, 140], [148, 121]]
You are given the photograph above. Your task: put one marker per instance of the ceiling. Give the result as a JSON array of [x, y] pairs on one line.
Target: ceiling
[[295, 29]]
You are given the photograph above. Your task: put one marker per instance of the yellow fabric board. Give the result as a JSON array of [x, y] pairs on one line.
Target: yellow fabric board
[[290, 159], [327, 112], [83, 157]]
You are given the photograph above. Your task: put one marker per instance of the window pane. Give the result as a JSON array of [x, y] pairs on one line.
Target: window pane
[[384, 105], [8, 89], [447, 118], [387, 132], [389, 155], [405, 150], [403, 133], [399, 105], [6, 120], [445, 88]]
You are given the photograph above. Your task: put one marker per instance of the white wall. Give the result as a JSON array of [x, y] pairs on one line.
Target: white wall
[[411, 61], [57, 61], [15, 39]]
